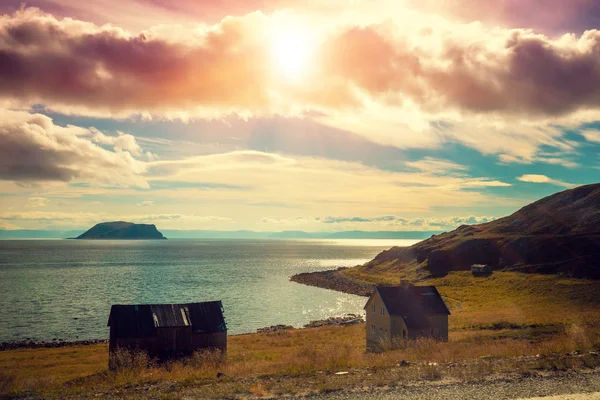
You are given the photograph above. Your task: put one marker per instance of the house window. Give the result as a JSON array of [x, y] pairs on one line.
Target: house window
[[380, 330], [373, 328], [373, 307], [382, 311]]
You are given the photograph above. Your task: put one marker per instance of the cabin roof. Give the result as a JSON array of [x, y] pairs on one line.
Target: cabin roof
[[413, 303], [139, 320]]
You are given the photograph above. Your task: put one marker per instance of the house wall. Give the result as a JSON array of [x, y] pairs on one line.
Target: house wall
[[174, 341], [170, 342], [399, 331], [383, 329], [216, 340], [439, 327]]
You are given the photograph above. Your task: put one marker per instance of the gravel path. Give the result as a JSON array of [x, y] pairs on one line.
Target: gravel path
[[570, 385]]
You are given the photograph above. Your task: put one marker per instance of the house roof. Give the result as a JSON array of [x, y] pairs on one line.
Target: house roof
[[413, 303], [141, 320]]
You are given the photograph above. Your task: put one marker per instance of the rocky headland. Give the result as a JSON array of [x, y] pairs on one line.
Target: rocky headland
[[333, 280], [559, 234]]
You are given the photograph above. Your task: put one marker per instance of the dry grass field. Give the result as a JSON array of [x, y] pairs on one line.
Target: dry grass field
[[505, 323]]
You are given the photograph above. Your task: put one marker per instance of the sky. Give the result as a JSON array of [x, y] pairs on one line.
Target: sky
[[276, 115]]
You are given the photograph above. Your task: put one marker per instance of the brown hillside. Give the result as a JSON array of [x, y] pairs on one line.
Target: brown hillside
[[557, 234]]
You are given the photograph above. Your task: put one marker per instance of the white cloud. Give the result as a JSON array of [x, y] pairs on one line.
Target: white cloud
[[437, 166], [46, 218], [35, 202], [121, 142], [591, 135], [534, 178], [399, 223], [315, 184], [33, 148]]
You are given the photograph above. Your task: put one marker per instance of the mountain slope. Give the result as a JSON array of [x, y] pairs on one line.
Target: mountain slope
[[122, 230], [557, 234]]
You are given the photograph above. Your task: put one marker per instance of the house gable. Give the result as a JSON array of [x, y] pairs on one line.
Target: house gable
[[376, 298]]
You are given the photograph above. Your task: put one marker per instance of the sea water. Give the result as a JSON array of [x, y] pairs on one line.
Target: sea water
[[63, 289]]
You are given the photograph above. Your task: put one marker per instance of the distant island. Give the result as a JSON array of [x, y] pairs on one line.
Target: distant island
[[122, 230]]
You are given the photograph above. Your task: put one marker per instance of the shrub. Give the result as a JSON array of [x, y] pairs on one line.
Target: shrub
[[208, 358], [125, 359]]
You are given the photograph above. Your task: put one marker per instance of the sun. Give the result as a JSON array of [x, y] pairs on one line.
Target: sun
[[290, 48]]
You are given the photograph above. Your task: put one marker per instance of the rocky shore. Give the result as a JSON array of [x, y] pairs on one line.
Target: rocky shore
[[349, 319], [334, 281], [32, 344]]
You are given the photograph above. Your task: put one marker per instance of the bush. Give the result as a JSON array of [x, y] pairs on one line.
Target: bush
[[125, 359], [209, 358]]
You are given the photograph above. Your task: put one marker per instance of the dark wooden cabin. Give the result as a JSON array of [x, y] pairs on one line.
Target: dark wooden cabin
[[167, 331]]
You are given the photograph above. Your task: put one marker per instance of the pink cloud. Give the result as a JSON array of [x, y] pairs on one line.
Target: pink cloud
[[527, 74], [78, 67], [73, 63], [550, 16]]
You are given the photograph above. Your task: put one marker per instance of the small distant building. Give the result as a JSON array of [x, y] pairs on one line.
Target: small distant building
[[406, 312], [481, 270], [167, 331]]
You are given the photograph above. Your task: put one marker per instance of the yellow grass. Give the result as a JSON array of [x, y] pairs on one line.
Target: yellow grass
[[516, 298], [544, 315], [82, 370]]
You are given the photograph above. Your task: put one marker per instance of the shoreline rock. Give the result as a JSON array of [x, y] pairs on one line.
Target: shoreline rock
[[32, 344], [349, 319], [274, 329], [334, 281]]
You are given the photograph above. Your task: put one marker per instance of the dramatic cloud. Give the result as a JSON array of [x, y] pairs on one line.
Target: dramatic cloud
[[500, 91], [73, 65], [534, 178], [512, 71], [33, 148], [77, 66], [550, 16], [292, 114]]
